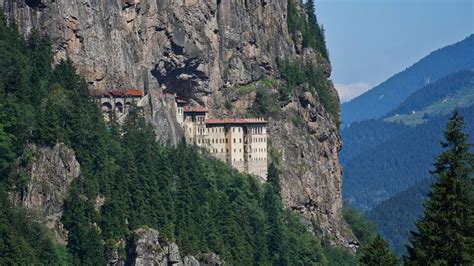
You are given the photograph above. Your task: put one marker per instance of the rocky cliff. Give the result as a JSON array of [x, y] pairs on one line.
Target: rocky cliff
[[50, 172], [201, 50], [147, 247]]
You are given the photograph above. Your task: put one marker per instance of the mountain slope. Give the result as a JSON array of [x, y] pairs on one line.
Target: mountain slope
[[395, 217], [110, 179], [389, 94], [438, 98], [396, 164], [205, 51], [443, 89], [361, 136]]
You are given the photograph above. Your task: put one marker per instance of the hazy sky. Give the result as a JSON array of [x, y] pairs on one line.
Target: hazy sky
[[370, 40]]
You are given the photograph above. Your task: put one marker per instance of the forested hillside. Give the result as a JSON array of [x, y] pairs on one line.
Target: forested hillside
[[394, 164], [389, 94], [387, 161], [357, 140], [438, 98], [396, 217], [442, 90], [22, 240], [191, 198]]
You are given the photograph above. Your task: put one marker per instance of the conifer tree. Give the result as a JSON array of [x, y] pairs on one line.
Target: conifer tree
[[445, 235], [6, 150], [378, 253], [273, 177]]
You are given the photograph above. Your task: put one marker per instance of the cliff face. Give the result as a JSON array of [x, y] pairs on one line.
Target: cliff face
[[191, 46], [147, 247], [51, 172], [202, 49]]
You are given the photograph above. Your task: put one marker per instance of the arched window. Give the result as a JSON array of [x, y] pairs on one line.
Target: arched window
[[106, 107], [119, 107]]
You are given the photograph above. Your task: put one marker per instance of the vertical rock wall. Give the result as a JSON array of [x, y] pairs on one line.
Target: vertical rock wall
[[199, 48], [51, 172]]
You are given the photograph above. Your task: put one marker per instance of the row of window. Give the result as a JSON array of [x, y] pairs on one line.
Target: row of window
[[216, 141], [253, 159], [220, 130], [214, 130], [257, 130], [200, 119], [222, 150]]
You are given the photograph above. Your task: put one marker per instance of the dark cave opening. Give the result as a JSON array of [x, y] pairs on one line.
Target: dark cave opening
[[33, 3]]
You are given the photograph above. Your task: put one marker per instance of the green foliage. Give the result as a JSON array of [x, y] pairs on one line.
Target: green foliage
[[363, 229], [311, 78], [378, 253], [381, 159], [22, 240], [6, 150], [307, 24], [396, 216], [228, 105], [441, 97], [266, 103], [339, 256], [190, 197], [445, 234]]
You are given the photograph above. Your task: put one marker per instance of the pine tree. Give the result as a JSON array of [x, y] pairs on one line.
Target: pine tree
[[445, 235], [6, 151], [274, 177], [311, 13], [378, 253]]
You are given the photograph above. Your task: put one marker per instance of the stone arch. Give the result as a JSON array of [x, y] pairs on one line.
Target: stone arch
[[119, 107], [106, 107]]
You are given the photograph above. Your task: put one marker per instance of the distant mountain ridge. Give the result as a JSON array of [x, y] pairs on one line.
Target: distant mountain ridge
[[438, 98], [442, 89], [388, 95], [382, 157]]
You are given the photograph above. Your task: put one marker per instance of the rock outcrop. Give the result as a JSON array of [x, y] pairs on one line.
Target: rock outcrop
[[193, 47], [200, 49], [146, 247], [304, 139], [50, 172]]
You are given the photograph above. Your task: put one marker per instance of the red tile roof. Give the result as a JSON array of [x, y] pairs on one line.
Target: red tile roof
[[237, 121], [117, 93], [136, 92]]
